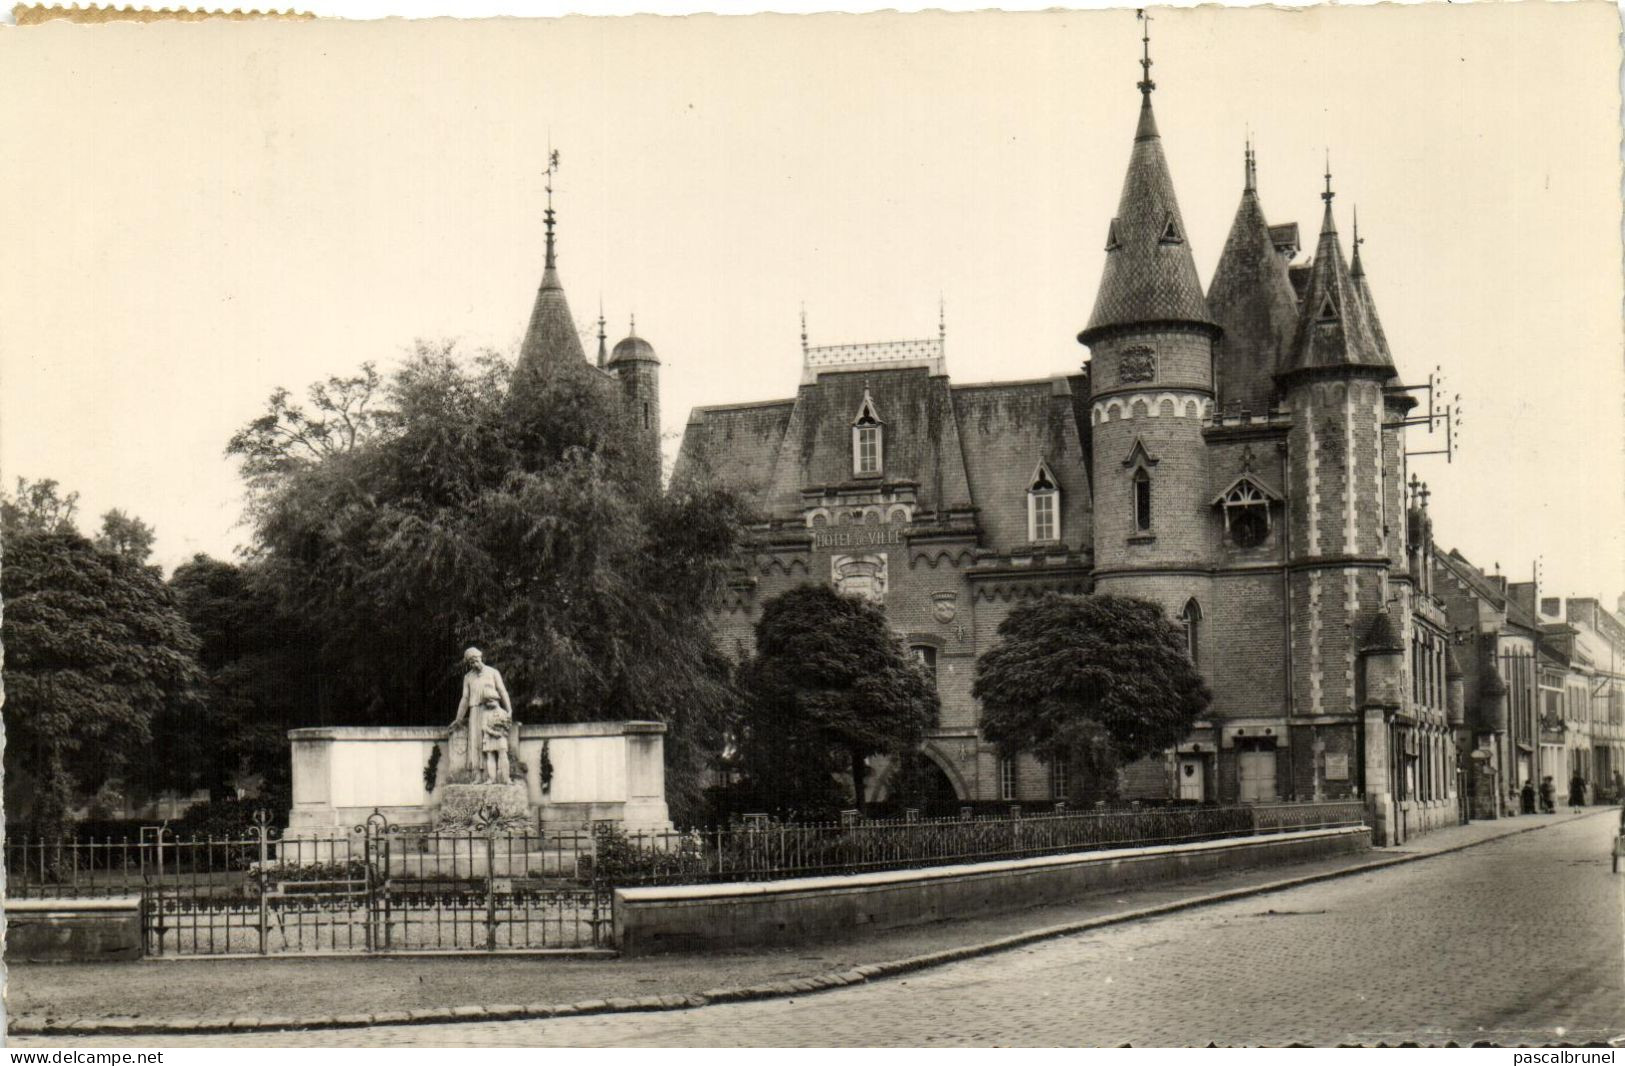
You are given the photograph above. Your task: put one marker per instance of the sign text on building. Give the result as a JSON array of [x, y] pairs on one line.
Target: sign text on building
[[857, 536]]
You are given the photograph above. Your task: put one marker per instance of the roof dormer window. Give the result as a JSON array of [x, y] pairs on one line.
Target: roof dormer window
[[1171, 233], [868, 440], [1043, 506]]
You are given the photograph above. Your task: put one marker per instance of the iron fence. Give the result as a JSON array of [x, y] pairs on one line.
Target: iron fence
[[379, 888], [762, 850], [374, 889]]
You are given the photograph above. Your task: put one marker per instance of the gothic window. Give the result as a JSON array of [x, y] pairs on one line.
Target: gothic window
[[1043, 506], [1142, 501], [645, 416], [868, 441], [1191, 616], [1007, 778]]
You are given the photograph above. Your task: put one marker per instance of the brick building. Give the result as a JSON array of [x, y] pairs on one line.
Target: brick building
[[1235, 455]]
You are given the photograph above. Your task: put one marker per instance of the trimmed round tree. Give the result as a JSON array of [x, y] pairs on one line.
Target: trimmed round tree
[[830, 685], [1103, 680]]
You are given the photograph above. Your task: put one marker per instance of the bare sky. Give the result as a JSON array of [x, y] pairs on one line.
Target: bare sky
[[199, 213]]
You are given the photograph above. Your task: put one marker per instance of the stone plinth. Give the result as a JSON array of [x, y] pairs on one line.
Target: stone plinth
[[460, 807]]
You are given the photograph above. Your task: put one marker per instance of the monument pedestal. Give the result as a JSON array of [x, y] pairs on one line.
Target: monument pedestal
[[461, 806]]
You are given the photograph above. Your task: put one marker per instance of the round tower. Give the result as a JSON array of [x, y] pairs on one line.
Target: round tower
[[1151, 340], [634, 363]]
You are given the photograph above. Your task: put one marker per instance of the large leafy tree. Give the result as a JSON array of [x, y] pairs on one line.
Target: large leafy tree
[[829, 686], [1093, 680], [96, 652], [257, 661], [455, 513]]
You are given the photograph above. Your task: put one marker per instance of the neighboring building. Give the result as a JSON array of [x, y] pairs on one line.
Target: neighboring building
[[1587, 707], [1236, 456]]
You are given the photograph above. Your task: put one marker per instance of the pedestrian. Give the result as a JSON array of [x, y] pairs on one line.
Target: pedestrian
[[1548, 795], [1528, 797], [1577, 792], [1512, 802], [1619, 788]]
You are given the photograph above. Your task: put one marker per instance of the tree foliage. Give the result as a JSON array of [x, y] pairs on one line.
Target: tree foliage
[[38, 507], [126, 535], [1094, 679], [462, 515], [96, 652], [828, 686]]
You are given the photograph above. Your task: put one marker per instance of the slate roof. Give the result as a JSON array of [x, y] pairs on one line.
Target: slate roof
[[1357, 272], [551, 340], [1252, 299], [1334, 330], [633, 349], [1150, 275]]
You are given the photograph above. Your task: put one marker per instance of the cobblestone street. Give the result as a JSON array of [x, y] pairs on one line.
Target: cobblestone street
[[1518, 940]]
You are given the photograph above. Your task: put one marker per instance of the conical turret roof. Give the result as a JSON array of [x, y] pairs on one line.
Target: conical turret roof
[[551, 341], [1357, 272], [1252, 299], [1334, 331], [1150, 275]]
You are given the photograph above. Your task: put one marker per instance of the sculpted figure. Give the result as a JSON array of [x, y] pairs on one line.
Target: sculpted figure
[[492, 731]]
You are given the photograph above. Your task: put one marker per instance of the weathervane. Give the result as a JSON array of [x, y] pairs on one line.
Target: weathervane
[[1147, 84], [552, 168]]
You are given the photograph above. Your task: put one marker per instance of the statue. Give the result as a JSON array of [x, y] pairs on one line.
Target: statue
[[492, 731]]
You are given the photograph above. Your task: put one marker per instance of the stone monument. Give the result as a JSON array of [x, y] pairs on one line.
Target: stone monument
[[483, 743]]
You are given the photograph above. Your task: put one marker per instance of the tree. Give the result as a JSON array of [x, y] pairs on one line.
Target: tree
[[259, 683], [463, 515], [829, 686], [1097, 679], [126, 535], [96, 650], [38, 507]]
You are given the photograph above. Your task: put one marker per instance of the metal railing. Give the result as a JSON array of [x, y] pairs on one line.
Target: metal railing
[[762, 850]]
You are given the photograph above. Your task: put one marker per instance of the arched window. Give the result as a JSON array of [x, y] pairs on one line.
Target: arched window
[[1142, 501], [868, 440], [1043, 506], [926, 656], [1192, 617]]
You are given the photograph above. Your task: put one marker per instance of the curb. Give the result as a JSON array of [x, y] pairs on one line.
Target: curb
[[677, 1001]]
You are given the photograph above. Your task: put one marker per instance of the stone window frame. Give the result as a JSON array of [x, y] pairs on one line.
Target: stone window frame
[[1058, 773], [1247, 494], [1043, 486], [1009, 779], [1139, 464], [927, 653]]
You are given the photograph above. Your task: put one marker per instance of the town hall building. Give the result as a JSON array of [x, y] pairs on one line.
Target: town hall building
[[1236, 455]]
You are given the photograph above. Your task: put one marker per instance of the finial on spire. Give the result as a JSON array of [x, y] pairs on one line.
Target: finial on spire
[[1252, 166], [1146, 84], [1328, 194], [603, 352], [632, 324], [942, 319], [803, 327], [1355, 267], [552, 167]]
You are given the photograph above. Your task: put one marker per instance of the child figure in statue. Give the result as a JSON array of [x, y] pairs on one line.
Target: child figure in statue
[[489, 712]]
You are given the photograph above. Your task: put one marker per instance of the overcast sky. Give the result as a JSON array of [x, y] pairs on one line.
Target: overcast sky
[[197, 214]]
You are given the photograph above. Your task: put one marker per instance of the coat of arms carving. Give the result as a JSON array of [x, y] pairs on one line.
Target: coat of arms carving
[[1139, 363], [945, 606]]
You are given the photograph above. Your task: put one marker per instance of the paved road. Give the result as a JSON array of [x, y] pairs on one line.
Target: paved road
[[1520, 940]]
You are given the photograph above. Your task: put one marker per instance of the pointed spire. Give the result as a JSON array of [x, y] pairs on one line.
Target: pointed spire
[[603, 352], [1251, 298], [1150, 275], [1363, 289], [551, 340], [1334, 328]]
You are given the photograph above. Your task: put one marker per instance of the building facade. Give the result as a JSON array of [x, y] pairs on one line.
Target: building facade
[[1235, 454]]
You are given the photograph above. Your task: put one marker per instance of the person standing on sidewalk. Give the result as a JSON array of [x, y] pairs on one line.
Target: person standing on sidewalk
[[1527, 795], [1577, 792], [1548, 795]]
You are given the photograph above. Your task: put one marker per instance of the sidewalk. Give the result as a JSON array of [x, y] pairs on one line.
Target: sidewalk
[[160, 996]]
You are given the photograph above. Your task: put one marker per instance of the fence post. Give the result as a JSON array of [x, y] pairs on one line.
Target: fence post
[[262, 828], [487, 823]]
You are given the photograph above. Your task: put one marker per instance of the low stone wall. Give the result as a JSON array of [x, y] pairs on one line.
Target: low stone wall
[[73, 930], [718, 917]]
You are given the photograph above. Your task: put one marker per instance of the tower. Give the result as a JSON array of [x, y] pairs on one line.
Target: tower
[[551, 343], [1151, 340], [634, 364], [1344, 520]]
